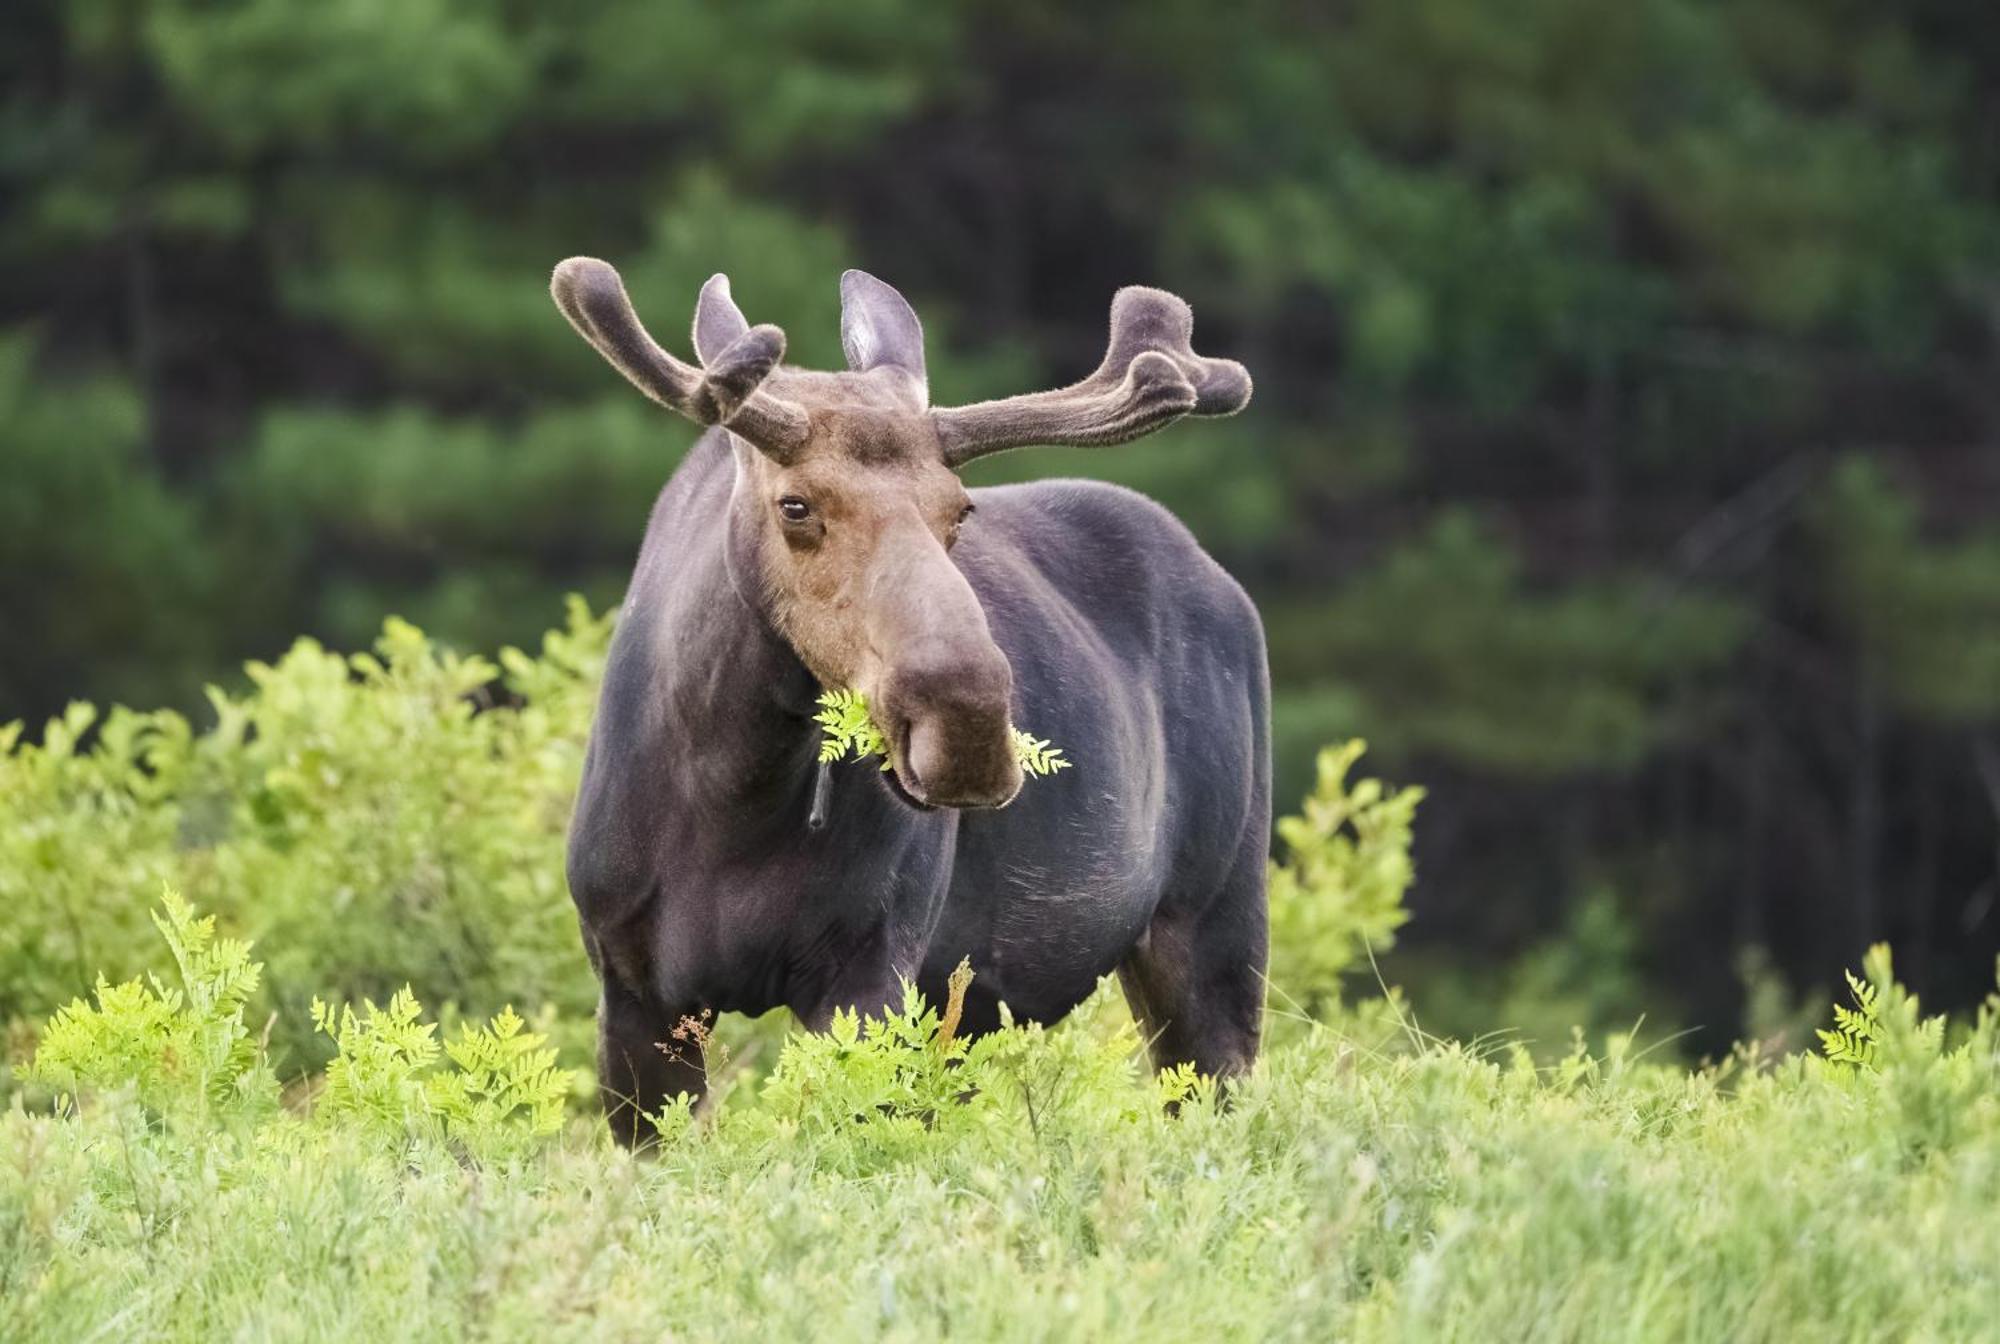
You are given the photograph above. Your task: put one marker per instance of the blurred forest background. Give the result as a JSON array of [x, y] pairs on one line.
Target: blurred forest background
[[1624, 461]]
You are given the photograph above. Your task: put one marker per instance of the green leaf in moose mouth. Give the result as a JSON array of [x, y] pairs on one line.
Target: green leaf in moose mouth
[[843, 718]]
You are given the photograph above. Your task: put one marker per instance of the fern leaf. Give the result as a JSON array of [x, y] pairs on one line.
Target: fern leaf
[[1856, 1035], [1036, 756], [846, 728]]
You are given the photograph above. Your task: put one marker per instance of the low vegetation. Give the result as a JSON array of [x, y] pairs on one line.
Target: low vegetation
[[200, 1146], [891, 1180], [358, 816]]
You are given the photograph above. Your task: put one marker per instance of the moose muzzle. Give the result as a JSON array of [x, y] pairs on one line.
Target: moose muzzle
[[944, 688]]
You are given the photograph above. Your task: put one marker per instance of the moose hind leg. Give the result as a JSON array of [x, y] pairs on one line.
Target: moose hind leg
[[1196, 980], [640, 1066]]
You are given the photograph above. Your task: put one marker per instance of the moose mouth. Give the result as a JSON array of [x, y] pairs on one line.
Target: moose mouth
[[901, 776], [893, 777], [918, 788]]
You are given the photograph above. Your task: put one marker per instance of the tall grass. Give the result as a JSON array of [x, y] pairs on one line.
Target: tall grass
[[894, 1182]]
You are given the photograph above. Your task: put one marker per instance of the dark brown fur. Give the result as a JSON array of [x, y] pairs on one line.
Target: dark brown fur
[[818, 536]]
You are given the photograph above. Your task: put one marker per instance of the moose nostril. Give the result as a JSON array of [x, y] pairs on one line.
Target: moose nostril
[[922, 751], [913, 778]]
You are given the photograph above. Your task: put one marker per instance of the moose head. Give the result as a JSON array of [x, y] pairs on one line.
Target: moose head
[[847, 504]]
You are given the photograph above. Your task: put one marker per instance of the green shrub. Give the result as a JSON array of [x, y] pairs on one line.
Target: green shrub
[[374, 821], [187, 1056], [502, 1094], [870, 1093], [184, 1052], [378, 821], [1337, 894]]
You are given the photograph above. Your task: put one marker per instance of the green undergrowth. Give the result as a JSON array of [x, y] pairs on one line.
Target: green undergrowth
[[177, 1053], [314, 1112], [891, 1179], [373, 820], [397, 817]]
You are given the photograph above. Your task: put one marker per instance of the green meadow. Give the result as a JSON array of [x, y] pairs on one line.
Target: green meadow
[[300, 1042]]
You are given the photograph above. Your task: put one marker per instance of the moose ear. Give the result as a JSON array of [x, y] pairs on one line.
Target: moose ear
[[718, 322], [878, 327]]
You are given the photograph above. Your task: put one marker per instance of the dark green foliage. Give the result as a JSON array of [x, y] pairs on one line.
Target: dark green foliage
[[103, 569], [1926, 616], [1464, 659], [1554, 310]]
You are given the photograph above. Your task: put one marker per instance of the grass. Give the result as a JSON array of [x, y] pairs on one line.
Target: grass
[[1367, 1183]]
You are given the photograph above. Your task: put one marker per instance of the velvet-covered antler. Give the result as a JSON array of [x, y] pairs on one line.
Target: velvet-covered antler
[[725, 391], [1150, 378]]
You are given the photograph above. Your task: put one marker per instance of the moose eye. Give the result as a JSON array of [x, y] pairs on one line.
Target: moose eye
[[794, 509]]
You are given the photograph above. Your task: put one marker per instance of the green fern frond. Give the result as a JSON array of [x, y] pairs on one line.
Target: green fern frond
[[1866, 995], [847, 728], [508, 1089], [1844, 1046], [183, 1049], [843, 718], [1036, 756], [503, 1091], [1855, 1039]]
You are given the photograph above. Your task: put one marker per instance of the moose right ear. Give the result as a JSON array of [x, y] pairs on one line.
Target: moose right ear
[[878, 327], [718, 322]]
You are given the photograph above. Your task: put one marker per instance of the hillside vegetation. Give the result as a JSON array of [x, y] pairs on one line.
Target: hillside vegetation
[[279, 1141]]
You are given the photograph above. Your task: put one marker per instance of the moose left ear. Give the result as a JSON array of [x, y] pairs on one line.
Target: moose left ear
[[718, 322], [878, 327]]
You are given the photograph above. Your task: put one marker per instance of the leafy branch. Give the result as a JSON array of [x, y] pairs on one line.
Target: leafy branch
[[1336, 895], [847, 727]]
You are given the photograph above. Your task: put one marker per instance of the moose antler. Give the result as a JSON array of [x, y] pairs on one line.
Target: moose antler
[[1150, 378], [725, 391]]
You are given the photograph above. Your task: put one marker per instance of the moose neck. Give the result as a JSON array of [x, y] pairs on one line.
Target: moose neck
[[721, 695]]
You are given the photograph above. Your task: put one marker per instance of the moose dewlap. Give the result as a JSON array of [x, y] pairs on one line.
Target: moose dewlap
[[818, 536]]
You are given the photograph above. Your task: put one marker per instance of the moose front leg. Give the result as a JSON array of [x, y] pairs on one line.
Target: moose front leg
[[640, 1066], [870, 986]]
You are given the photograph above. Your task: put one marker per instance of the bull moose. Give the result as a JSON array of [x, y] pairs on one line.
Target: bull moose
[[818, 536]]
